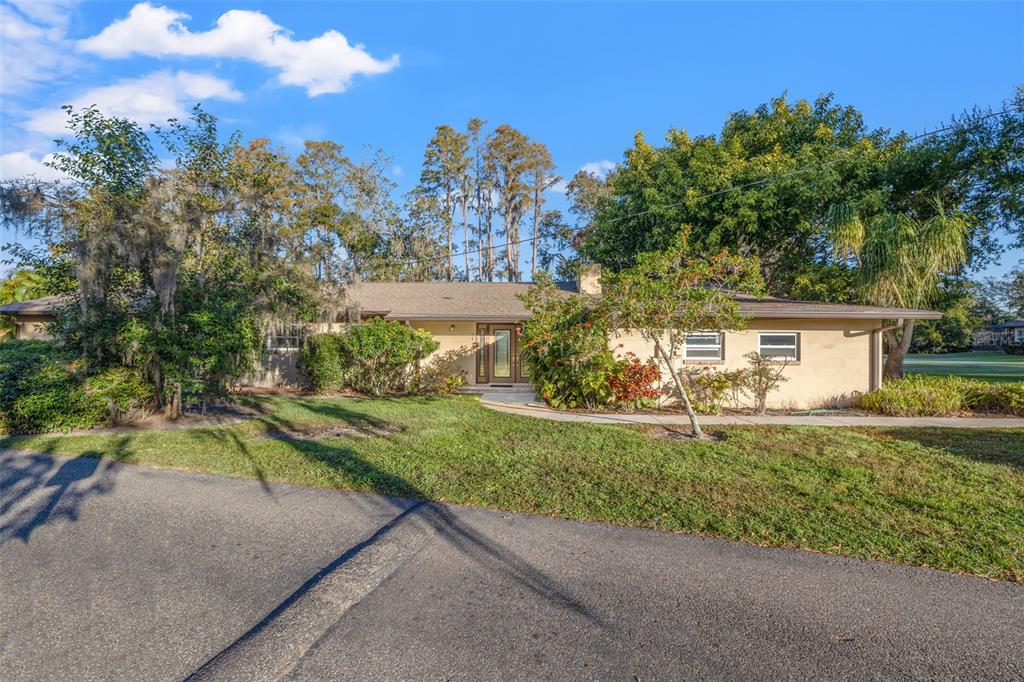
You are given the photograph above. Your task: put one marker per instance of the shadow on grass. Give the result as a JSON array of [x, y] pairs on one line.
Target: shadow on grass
[[485, 552], [38, 489], [991, 446]]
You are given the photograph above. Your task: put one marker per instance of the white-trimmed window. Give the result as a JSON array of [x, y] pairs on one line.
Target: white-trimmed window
[[779, 346], [703, 346]]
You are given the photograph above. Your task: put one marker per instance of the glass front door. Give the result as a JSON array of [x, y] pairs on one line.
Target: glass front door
[[501, 353], [498, 357]]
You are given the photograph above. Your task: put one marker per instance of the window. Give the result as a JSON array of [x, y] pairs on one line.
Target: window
[[779, 346], [481, 352], [703, 346], [286, 337]]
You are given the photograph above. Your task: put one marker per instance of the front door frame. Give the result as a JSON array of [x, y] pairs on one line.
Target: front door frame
[[485, 354]]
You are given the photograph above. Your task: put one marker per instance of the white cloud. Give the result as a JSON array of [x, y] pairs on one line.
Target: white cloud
[[325, 64], [53, 12], [599, 169], [24, 164], [33, 47], [149, 99], [397, 171]]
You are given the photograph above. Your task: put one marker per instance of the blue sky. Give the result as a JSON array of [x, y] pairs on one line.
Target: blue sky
[[583, 78]]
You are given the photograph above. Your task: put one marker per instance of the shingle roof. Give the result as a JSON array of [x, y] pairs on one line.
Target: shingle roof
[[498, 301], [1010, 324], [46, 305], [485, 301], [481, 301]]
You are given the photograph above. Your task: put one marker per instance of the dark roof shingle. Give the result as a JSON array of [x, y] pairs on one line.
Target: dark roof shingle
[[498, 301]]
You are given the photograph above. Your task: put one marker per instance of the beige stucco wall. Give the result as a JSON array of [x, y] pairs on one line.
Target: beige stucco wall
[[32, 327], [459, 342], [836, 364]]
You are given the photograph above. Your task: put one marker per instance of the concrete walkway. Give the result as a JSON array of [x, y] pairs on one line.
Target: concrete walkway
[[531, 406]]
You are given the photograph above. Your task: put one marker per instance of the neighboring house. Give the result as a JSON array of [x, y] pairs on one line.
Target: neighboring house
[[833, 351], [995, 336], [32, 316]]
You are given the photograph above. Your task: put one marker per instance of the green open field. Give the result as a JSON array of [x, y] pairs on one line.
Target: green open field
[[948, 498], [985, 365]]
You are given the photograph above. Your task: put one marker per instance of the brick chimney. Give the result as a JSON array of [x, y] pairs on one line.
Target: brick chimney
[[588, 281]]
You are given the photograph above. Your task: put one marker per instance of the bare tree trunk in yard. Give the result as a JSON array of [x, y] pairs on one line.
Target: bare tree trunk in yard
[[897, 350], [694, 425]]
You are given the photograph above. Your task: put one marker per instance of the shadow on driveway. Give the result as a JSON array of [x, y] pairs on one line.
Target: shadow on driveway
[[480, 549], [36, 491]]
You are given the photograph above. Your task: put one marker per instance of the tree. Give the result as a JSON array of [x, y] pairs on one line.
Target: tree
[[445, 165], [175, 268], [540, 177], [371, 215], [763, 187], [1006, 293], [666, 294], [482, 175], [758, 188], [508, 155], [322, 169], [900, 259]]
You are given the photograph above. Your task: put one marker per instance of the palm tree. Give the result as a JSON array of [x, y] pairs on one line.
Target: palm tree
[[900, 260]]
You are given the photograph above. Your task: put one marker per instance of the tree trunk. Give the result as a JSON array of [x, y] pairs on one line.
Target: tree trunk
[[898, 349], [509, 253], [697, 432], [536, 220], [465, 237]]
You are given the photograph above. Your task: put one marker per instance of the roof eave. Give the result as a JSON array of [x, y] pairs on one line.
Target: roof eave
[[852, 315]]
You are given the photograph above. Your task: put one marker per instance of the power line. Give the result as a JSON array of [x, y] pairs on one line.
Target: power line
[[734, 188]]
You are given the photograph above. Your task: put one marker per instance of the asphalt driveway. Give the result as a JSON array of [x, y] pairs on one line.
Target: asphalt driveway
[[113, 571]]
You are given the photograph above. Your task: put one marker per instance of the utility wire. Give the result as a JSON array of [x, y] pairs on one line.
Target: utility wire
[[728, 190]]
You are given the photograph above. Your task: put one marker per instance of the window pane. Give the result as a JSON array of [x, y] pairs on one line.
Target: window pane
[[502, 353], [481, 353], [779, 353], [702, 339], [703, 353], [778, 339]]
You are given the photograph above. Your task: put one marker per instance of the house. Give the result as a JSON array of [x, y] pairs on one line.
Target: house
[[32, 316], [992, 338], [833, 352]]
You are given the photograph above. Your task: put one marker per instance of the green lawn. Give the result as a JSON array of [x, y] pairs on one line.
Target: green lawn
[[988, 366], [952, 499]]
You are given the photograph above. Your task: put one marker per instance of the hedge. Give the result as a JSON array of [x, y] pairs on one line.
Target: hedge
[[378, 357], [944, 396], [43, 390]]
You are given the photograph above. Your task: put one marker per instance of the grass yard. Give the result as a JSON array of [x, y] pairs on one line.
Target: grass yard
[[984, 365], [951, 499]]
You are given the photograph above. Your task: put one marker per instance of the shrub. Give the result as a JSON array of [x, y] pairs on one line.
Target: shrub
[[761, 377], [124, 394], [933, 396], [709, 389], [1002, 398], [566, 351], [442, 375], [632, 382], [1011, 348], [320, 360], [42, 390], [378, 357]]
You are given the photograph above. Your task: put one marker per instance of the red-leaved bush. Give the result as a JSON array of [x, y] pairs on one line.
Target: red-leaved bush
[[633, 382]]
